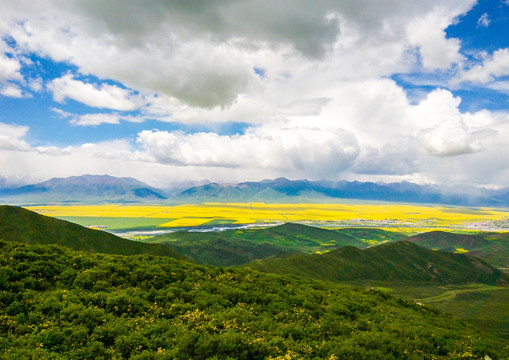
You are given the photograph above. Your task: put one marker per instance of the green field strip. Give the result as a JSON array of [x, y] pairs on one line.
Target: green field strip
[[219, 222], [451, 294], [116, 223]]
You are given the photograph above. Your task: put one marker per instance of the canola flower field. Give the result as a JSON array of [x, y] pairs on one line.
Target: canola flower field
[[400, 217]]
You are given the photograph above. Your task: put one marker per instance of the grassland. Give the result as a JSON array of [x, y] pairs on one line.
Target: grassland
[[399, 217], [485, 306]]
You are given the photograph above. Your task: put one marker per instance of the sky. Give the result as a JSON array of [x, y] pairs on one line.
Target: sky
[[231, 91]]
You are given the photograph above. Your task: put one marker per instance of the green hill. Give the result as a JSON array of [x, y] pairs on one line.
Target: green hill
[[18, 224], [56, 303], [448, 241], [399, 261], [491, 247], [224, 252], [238, 246], [371, 235]]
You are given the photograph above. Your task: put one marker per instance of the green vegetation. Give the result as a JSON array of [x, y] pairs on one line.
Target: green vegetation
[[372, 235], [491, 247], [240, 246], [18, 224], [289, 237], [399, 261], [56, 303], [224, 252]]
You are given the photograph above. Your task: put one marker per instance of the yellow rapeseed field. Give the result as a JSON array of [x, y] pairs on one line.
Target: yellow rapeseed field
[[382, 215]]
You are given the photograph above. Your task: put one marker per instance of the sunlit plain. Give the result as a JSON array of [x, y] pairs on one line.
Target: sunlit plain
[[396, 216]]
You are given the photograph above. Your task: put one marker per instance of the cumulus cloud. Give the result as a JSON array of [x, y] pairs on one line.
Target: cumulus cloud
[[304, 107], [11, 137], [11, 90], [293, 149], [102, 96], [325, 105], [484, 20], [9, 66], [9, 71], [450, 138], [428, 34], [204, 55], [493, 66]]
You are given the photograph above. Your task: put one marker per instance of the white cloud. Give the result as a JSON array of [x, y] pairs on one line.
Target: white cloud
[[492, 67], [11, 137], [36, 84], [9, 66], [11, 90], [450, 138], [204, 56], [305, 107], [428, 34], [501, 86], [12, 140], [53, 150], [103, 96], [304, 150], [61, 113], [484, 20], [325, 106], [391, 159], [96, 119]]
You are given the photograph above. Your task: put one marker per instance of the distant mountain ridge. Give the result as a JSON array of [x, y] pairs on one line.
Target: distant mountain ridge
[[86, 187], [282, 189], [105, 188]]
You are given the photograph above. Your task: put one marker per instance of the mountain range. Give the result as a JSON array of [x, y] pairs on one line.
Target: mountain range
[[282, 189], [85, 188], [105, 188]]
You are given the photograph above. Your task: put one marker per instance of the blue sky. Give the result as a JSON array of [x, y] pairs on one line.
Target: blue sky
[[238, 90]]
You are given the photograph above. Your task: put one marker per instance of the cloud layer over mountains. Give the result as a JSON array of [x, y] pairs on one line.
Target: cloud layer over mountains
[[316, 86]]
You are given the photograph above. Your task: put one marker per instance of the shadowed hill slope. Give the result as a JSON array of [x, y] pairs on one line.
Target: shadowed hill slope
[[240, 246], [491, 247], [18, 224], [224, 252], [400, 261], [448, 241]]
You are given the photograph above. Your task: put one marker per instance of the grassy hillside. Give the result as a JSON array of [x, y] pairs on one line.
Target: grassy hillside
[[18, 224], [239, 246], [399, 261], [372, 235], [492, 247], [224, 252], [485, 306], [56, 303]]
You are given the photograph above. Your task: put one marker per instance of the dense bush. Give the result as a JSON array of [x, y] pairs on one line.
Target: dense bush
[[61, 304]]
